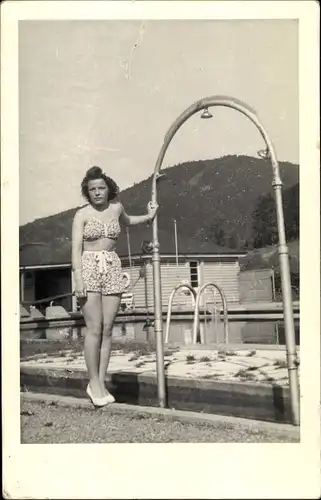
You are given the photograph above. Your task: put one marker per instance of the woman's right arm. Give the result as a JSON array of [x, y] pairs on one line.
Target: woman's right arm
[[77, 243]]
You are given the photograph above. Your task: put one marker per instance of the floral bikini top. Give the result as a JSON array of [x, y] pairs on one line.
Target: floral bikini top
[[96, 229]]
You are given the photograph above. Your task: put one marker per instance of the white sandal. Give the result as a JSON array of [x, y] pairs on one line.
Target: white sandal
[[96, 401], [109, 398]]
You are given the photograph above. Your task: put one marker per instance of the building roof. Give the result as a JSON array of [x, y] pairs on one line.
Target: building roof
[[46, 251]]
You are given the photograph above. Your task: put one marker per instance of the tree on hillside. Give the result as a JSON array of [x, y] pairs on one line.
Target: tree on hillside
[[233, 241], [216, 234], [212, 231], [264, 225]]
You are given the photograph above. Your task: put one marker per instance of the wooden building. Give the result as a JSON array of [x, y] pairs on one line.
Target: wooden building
[[45, 270], [195, 270]]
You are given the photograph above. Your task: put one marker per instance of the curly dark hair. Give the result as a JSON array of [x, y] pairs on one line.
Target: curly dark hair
[[97, 173]]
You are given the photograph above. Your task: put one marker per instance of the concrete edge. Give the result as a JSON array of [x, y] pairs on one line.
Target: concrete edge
[[180, 415], [223, 385]]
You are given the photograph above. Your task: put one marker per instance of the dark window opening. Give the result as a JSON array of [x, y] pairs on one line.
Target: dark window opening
[[193, 266]]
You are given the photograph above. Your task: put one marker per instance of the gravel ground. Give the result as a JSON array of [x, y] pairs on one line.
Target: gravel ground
[[48, 424]]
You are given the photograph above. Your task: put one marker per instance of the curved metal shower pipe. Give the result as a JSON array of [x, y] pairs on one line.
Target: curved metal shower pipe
[[246, 110], [170, 303], [196, 313]]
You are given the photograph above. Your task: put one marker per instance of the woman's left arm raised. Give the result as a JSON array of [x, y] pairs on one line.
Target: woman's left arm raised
[[132, 220]]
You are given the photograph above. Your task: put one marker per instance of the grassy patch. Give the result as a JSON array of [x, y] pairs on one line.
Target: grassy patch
[[27, 413], [280, 363], [136, 347], [205, 359], [244, 374], [153, 360], [223, 354], [140, 416], [134, 357], [29, 347], [139, 364], [190, 359], [64, 347], [170, 352], [210, 375], [64, 354]]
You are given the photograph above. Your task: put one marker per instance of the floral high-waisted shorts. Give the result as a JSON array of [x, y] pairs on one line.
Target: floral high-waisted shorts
[[102, 272]]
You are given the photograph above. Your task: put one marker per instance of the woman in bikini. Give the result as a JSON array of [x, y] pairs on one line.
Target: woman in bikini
[[97, 272]]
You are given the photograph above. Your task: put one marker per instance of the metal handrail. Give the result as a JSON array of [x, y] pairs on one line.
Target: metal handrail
[[196, 311], [214, 312], [170, 303], [52, 298]]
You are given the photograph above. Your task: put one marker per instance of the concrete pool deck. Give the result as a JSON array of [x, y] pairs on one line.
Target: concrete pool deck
[[255, 366], [245, 382]]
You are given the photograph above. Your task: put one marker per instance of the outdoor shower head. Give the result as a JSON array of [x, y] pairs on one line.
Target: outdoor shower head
[[264, 154], [206, 114], [160, 176]]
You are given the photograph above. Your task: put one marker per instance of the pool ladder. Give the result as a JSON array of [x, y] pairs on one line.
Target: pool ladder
[[197, 298]]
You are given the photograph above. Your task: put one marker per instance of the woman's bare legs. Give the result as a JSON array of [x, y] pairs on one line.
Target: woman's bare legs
[[110, 306], [92, 311]]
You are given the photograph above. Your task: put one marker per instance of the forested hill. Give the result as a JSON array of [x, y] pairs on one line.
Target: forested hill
[[226, 201], [215, 200]]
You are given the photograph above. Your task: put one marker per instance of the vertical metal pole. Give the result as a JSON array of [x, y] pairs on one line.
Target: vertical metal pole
[[176, 245], [146, 301], [145, 285], [73, 298], [158, 318], [287, 306], [216, 316], [22, 286], [277, 333], [273, 285], [129, 252]]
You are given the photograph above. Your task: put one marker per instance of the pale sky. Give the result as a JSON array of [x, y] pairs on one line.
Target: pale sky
[[80, 106]]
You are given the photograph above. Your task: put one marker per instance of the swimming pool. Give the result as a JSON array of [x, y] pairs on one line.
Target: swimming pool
[[240, 332]]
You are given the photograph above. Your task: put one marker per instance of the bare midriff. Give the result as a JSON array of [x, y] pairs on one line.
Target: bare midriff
[[103, 244]]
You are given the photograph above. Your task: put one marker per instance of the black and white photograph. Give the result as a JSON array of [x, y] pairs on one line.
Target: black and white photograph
[[159, 199]]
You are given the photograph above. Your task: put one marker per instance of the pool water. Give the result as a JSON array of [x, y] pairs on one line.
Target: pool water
[[181, 331]]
